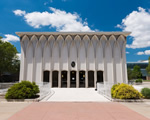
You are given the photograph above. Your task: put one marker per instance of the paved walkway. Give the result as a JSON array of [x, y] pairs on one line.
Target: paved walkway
[[7, 109], [75, 95], [77, 111]]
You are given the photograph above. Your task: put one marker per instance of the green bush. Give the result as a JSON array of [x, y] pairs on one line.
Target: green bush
[[125, 91], [22, 90], [139, 81], [146, 92]]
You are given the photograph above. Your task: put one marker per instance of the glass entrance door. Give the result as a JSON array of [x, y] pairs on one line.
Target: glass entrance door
[[81, 78], [72, 78], [63, 78]]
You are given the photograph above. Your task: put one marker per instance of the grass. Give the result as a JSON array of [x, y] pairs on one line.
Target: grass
[[146, 80]]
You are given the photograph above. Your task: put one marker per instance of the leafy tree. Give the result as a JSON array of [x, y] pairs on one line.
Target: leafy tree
[[148, 67], [136, 73], [8, 60], [129, 71]]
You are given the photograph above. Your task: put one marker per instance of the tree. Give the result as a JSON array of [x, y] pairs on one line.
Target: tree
[[129, 71], [136, 73], [8, 59], [148, 67]]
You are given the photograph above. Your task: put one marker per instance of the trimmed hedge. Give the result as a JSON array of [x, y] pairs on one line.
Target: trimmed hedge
[[146, 92], [139, 81], [125, 91], [23, 90]]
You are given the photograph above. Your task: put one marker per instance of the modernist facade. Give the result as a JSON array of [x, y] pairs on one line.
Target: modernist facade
[[73, 59]]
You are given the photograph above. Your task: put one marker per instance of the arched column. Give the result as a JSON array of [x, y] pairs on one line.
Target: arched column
[[64, 59], [103, 41], [34, 41], [29, 61], [108, 63], [24, 42], [91, 60], [55, 61], [73, 57], [117, 64], [82, 61]]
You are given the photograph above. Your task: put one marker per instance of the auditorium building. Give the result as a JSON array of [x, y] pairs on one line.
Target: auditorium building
[[73, 59]]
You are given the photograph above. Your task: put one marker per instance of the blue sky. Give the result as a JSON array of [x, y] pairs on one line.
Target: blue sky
[[79, 15]]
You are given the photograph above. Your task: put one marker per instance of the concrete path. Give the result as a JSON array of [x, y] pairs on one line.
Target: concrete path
[[77, 111], [75, 95], [7, 109]]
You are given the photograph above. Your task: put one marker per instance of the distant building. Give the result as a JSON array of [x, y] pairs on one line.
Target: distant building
[[73, 59]]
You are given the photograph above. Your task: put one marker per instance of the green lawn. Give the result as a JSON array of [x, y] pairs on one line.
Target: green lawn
[[146, 80]]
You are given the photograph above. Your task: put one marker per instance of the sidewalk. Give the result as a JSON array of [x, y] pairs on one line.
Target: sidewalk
[[77, 111], [7, 109]]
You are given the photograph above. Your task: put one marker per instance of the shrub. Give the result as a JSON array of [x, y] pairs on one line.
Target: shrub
[[146, 92], [125, 91], [22, 90], [139, 81]]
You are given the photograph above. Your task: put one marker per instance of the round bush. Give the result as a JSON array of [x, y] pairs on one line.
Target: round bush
[[125, 91], [22, 90], [139, 81], [146, 92]]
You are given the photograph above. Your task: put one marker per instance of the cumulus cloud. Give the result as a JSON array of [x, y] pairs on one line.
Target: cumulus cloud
[[59, 19], [146, 52], [19, 12], [19, 56], [9, 37], [127, 52], [138, 22]]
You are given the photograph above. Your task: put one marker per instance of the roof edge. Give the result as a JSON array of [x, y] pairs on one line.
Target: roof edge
[[73, 33]]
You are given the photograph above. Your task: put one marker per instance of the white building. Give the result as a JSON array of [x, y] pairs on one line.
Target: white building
[[73, 59]]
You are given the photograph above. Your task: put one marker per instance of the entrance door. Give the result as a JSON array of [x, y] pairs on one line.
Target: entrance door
[[99, 76], [46, 76], [63, 78], [90, 78], [72, 78], [81, 78], [55, 79]]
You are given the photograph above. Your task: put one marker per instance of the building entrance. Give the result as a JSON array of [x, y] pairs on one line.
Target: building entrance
[[55, 79], [46, 76], [72, 78], [63, 78], [99, 76], [90, 78], [81, 78]]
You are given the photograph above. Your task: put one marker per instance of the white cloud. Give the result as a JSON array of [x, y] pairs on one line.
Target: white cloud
[[127, 52], [146, 52], [19, 56], [140, 53], [19, 12], [138, 22], [9, 37], [59, 19]]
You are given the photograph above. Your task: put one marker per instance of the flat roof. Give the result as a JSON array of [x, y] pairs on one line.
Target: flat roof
[[73, 33]]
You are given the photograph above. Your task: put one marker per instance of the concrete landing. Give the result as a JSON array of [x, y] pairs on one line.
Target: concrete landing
[[75, 95]]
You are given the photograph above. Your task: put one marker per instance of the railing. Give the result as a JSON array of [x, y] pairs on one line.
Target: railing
[[45, 89], [5, 86], [105, 89]]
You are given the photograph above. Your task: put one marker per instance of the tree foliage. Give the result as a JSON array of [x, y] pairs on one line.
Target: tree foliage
[[148, 67], [8, 60], [135, 73]]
